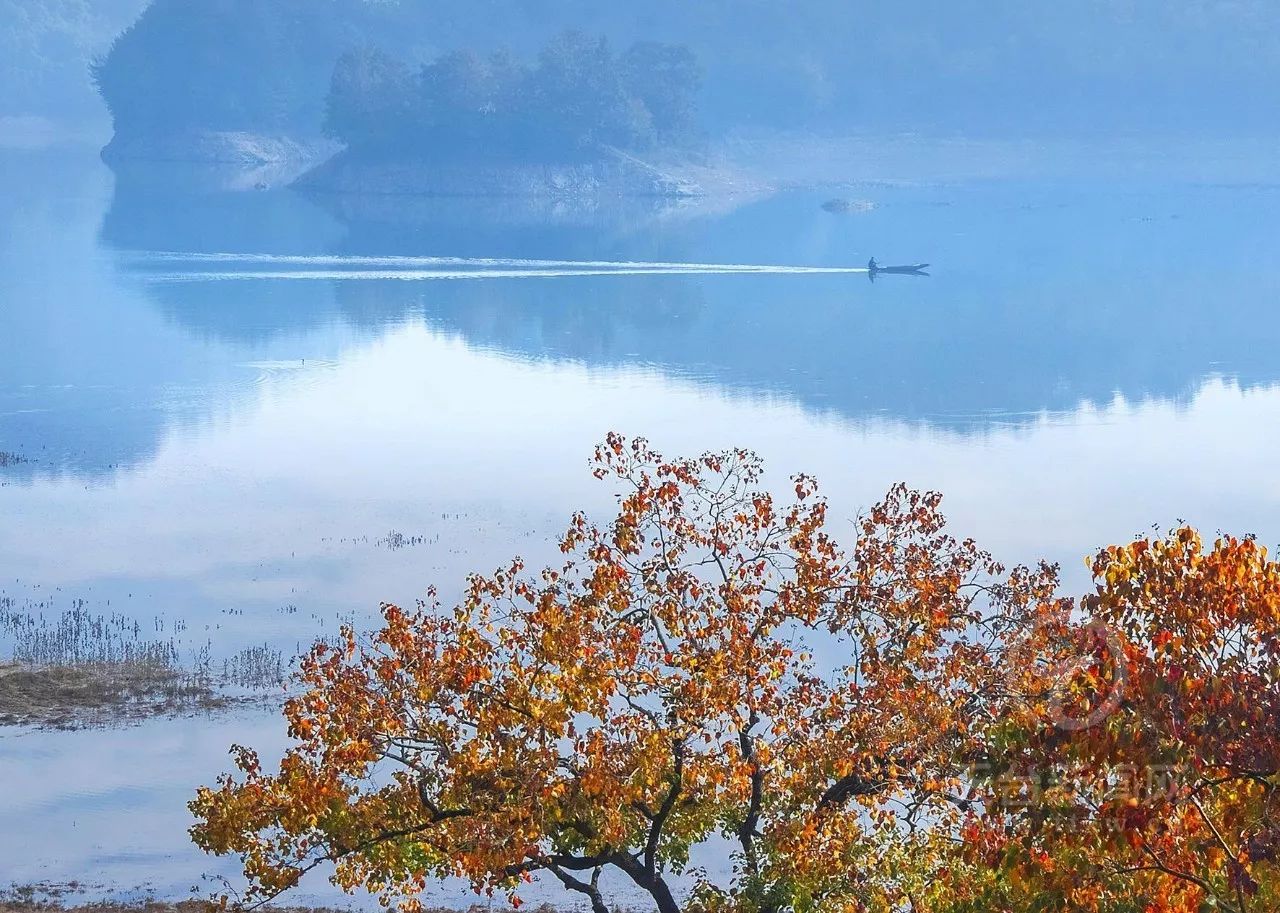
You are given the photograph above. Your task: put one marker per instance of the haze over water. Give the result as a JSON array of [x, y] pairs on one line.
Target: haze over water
[[232, 441]]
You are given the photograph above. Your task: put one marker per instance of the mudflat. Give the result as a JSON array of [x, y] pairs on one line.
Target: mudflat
[[74, 696]]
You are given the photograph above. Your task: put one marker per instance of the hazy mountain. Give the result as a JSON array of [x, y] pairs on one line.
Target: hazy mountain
[[46, 47], [1112, 66]]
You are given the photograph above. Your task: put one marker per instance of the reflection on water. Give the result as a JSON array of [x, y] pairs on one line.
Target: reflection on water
[[260, 458]]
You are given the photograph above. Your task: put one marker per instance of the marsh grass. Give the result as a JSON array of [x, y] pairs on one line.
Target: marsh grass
[[80, 669], [255, 667], [395, 540], [78, 637]]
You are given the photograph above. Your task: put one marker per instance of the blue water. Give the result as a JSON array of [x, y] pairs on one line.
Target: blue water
[[226, 402]]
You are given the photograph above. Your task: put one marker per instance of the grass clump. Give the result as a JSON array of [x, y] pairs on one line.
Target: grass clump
[[79, 669]]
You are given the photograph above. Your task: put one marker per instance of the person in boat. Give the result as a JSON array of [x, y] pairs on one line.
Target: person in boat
[[871, 265]]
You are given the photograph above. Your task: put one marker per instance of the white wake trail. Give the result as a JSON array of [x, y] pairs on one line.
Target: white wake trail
[[263, 266], [418, 275]]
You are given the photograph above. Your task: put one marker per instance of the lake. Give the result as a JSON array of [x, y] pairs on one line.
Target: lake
[[241, 418]]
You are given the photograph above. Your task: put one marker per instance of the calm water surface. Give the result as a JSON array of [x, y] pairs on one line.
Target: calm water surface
[[221, 443]]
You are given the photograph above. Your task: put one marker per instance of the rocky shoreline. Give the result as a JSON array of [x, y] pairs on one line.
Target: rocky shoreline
[[610, 176], [228, 147], [216, 160], [248, 161]]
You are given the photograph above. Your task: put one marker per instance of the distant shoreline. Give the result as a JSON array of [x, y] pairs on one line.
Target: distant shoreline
[[254, 161], [743, 163]]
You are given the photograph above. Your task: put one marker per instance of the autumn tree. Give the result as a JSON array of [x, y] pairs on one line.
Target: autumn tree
[[709, 668], [1168, 800]]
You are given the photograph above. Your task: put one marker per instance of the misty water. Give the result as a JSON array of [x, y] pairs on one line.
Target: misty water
[[241, 418]]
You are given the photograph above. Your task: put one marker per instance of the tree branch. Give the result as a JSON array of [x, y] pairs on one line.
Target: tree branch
[[591, 888], [747, 830], [664, 812]]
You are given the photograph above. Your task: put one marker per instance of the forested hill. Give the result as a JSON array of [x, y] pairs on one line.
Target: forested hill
[[577, 96], [1001, 66], [257, 65]]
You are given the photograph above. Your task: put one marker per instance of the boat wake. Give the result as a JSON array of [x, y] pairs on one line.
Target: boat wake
[[174, 266]]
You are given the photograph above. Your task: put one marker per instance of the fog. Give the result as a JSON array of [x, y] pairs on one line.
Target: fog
[[1001, 68]]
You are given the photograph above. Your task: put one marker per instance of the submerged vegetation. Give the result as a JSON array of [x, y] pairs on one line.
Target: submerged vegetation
[[79, 637], [900, 724]]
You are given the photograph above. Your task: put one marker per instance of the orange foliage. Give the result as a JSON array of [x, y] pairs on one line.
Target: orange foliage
[[1169, 801], [897, 725], [710, 664]]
